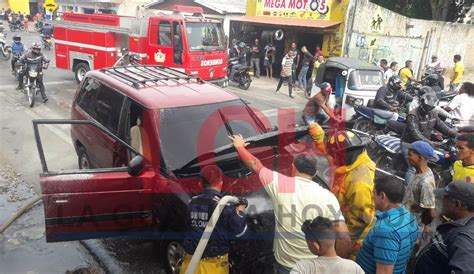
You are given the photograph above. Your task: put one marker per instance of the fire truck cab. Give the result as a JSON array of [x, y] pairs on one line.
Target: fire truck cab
[[192, 44]]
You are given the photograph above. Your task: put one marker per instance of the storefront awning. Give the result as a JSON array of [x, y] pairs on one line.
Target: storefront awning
[[307, 23]]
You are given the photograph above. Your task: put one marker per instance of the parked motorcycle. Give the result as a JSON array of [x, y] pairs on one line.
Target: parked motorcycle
[[46, 41], [30, 84], [16, 26], [5, 48], [241, 76]]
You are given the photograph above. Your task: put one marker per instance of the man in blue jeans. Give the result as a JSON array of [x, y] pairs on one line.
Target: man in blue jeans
[[307, 59]]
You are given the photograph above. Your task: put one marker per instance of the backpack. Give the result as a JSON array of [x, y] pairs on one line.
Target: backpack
[[433, 258]]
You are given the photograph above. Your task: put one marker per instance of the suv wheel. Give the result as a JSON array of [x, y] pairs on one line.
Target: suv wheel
[[83, 159], [80, 71], [172, 255]]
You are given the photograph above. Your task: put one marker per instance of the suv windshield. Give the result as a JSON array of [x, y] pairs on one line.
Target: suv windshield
[[205, 36], [365, 80], [184, 129]]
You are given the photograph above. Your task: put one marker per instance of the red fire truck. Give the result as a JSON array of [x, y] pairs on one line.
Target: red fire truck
[[192, 44]]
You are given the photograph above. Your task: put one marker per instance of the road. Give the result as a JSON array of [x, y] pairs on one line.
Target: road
[[20, 168]]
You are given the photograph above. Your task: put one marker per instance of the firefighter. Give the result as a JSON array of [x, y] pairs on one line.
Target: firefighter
[[231, 225], [34, 56], [353, 181]]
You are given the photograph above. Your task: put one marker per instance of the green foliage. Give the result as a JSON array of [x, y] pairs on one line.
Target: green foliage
[[423, 9]]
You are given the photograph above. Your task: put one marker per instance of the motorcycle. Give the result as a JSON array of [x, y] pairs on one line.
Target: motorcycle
[[370, 120], [47, 43], [5, 48], [241, 76], [389, 157], [16, 26], [18, 66], [30, 83]]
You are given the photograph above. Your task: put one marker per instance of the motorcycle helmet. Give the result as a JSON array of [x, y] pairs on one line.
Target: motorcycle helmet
[[425, 89], [431, 80], [395, 83], [242, 44], [428, 101], [17, 39], [36, 47], [326, 87], [343, 140]]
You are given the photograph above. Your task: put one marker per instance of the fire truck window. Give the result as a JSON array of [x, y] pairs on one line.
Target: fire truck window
[[164, 34], [177, 44], [108, 107]]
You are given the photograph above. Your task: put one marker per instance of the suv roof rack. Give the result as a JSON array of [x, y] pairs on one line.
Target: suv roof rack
[[143, 75]]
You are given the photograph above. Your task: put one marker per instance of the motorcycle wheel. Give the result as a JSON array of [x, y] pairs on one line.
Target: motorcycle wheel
[[245, 82], [5, 53], [22, 28], [364, 125], [31, 95]]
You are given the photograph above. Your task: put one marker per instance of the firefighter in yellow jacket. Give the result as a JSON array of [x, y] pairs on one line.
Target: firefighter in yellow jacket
[[353, 181]]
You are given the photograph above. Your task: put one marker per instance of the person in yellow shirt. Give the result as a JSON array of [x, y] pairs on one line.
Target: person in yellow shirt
[[464, 166], [353, 182], [406, 73], [456, 73]]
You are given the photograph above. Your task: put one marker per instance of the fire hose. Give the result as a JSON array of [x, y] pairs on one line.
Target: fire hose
[[208, 231]]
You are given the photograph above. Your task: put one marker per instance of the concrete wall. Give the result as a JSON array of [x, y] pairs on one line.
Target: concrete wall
[[400, 38]]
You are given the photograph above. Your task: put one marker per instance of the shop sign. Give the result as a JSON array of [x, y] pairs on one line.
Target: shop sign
[[316, 9]]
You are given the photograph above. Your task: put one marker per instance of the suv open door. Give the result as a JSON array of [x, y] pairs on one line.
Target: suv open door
[[95, 203]]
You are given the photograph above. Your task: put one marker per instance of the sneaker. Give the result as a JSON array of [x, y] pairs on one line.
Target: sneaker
[[45, 100]]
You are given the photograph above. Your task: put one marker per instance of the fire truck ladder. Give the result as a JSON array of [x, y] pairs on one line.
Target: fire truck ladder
[[130, 29], [139, 76]]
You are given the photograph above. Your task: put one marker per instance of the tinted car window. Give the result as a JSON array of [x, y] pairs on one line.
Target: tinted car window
[[88, 96], [108, 107], [101, 103], [184, 129]]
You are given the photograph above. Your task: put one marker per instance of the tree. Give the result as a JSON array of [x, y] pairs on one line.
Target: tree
[[440, 10]]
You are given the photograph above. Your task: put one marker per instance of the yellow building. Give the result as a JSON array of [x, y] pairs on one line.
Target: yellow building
[[307, 22]]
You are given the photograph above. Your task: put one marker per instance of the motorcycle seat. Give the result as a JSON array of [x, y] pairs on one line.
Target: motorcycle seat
[[243, 68], [365, 111], [466, 129], [445, 95], [390, 143], [384, 114]]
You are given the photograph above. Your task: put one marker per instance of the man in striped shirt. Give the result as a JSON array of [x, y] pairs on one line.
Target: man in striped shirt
[[388, 246]]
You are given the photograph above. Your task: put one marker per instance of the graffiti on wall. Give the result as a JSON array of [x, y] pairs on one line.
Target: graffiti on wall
[[398, 49]]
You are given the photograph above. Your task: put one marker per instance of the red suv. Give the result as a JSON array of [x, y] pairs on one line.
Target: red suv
[[141, 134]]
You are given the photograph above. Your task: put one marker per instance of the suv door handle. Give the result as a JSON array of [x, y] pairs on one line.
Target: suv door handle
[[60, 199]]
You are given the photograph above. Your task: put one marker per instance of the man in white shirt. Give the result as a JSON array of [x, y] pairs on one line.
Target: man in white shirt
[[462, 105], [296, 199], [390, 72], [438, 69]]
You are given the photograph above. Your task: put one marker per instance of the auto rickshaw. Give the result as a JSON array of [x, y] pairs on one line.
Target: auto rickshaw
[[354, 83]]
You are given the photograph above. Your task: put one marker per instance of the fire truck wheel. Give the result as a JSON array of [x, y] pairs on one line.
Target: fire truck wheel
[[80, 71]]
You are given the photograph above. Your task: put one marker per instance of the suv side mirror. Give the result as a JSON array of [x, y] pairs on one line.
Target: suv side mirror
[[135, 166]]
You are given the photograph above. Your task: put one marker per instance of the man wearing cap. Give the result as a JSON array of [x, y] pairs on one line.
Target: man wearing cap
[[451, 250], [353, 181], [419, 197], [231, 225]]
